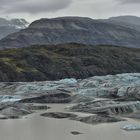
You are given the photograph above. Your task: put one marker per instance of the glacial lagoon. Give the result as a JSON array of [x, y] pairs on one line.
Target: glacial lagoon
[[36, 127]]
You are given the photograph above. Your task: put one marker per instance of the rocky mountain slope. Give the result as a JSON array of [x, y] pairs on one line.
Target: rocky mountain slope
[[10, 26], [132, 22], [73, 30], [51, 62], [127, 19]]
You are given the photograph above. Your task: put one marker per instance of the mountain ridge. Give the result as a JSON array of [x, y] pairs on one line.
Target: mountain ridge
[[129, 21], [53, 62], [72, 30]]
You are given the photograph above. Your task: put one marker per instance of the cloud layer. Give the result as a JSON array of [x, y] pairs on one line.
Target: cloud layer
[[33, 6], [35, 9], [129, 1]]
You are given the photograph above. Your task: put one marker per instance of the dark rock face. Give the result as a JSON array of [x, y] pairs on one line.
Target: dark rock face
[[92, 119], [59, 115], [50, 98], [38, 107], [40, 63], [14, 110], [73, 30], [96, 119], [106, 107], [76, 133]]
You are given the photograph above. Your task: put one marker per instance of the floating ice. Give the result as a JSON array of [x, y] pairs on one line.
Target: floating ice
[[131, 127], [68, 81]]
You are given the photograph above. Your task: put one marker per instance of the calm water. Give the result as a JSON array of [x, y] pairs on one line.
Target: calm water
[[36, 127]]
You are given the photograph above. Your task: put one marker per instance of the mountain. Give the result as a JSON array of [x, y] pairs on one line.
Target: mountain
[[72, 30], [127, 21], [10, 26], [52, 62]]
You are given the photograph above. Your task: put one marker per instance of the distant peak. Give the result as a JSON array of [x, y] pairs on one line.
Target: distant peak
[[67, 18], [59, 22], [129, 19], [124, 16]]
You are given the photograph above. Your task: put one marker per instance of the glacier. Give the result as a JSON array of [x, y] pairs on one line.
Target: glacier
[[120, 86]]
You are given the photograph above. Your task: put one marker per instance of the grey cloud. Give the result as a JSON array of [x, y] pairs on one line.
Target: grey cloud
[[33, 6], [129, 1]]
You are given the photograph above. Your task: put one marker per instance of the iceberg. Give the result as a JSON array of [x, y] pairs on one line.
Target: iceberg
[[131, 127]]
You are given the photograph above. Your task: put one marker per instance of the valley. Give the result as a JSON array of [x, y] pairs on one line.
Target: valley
[[70, 78]]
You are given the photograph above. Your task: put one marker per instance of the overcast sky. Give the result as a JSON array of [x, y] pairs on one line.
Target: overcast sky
[[35, 9]]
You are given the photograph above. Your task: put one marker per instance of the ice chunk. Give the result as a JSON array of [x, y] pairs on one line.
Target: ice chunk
[[8, 98], [131, 127], [68, 81]]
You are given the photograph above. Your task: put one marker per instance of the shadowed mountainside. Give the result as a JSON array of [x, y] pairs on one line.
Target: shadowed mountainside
[[132, 22], [39, 63], [72, 30], [127, 19]]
